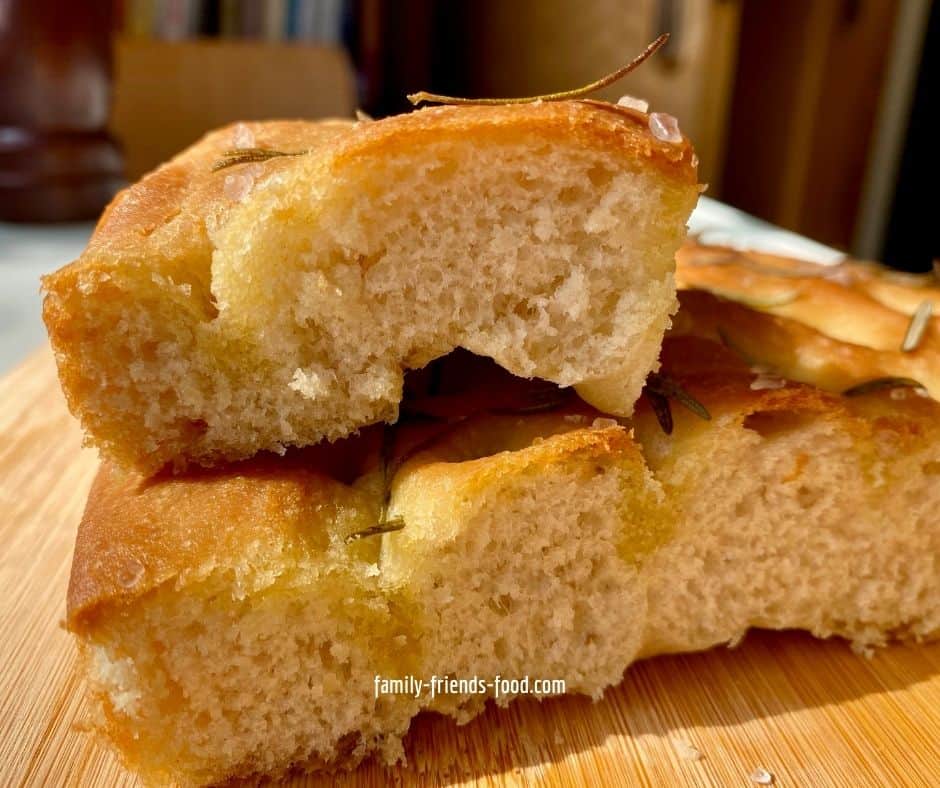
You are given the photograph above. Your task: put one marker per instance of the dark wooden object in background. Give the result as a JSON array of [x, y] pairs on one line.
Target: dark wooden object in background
[[57, 161], [913, 240], [803, 112]]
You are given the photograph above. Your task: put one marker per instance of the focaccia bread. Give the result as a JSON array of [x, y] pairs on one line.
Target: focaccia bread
[[536, 537], [278, 301], [231, 625]]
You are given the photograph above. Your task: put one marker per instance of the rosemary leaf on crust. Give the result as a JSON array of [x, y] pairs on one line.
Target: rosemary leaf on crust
[[620, 73], [667, 387], [395, 524], [245, 155], [662, 410], [918, 325]]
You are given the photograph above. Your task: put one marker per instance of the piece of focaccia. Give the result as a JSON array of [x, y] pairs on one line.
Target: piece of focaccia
[[232, 625], [278, 301]]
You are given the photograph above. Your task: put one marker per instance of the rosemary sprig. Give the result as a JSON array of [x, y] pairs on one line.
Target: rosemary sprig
[[620, 73], [918, 325], [386, 527], [245, 155], [880, 384], [660, 389]]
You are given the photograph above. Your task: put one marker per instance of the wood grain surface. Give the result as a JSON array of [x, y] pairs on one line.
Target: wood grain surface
[[809, 712]]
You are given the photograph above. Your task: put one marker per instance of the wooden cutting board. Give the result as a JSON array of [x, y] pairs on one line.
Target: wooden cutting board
[[809, 712]]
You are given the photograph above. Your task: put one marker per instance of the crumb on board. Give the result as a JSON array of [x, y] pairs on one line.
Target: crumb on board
[[687, 751], [762, 777]]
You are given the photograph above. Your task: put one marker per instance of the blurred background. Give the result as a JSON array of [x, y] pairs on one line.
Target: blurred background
[[810, 115]]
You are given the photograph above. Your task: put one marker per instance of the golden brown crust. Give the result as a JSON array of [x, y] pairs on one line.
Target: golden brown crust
[[165, 215], [831, 326], [758, 333], [138, 533], [598, 125], [727, 386]]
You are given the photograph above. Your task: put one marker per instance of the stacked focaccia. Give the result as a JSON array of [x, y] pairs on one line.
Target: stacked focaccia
[[286, 514]]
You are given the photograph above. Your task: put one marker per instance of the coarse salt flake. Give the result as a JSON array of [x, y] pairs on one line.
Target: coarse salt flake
[[665, 127], [238, 185], [631, 102], [131, 573], [243, 137]]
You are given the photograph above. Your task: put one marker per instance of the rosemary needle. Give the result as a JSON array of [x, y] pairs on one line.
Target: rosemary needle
[[395, 524], [918, 325], [245, 155]]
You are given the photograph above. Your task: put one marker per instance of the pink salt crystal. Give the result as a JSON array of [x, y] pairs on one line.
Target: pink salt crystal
[[243, 137], [633, 103], [665, 127]]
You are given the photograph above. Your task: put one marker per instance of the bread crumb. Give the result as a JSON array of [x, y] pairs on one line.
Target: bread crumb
[[687, 751], [863, 648], [631, 102], [762, 777]]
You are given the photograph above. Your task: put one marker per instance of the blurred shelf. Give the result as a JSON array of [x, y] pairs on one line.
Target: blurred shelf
[[168, 94]]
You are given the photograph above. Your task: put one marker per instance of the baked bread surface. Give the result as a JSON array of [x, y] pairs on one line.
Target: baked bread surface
[[834, 327], [274, 303]]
